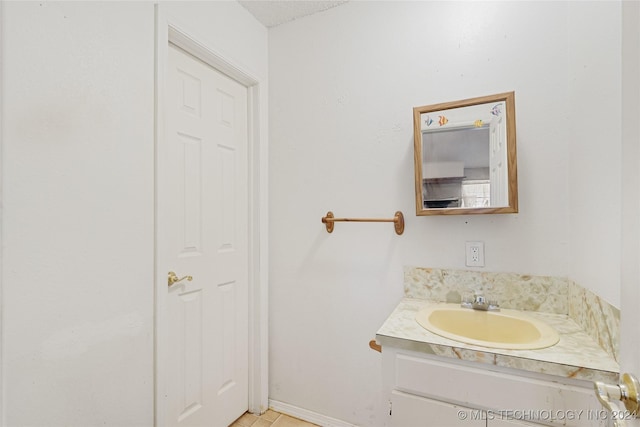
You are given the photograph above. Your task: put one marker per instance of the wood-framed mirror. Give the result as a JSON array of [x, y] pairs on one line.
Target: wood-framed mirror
[[465, 156]]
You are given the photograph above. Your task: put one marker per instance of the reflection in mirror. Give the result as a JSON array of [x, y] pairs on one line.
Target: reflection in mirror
[[465, 156]]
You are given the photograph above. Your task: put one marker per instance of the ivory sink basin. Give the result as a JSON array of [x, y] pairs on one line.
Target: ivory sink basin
[[505, 329]]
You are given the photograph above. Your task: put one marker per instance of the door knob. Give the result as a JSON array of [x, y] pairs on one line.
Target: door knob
[[173, 278], [627, 392]]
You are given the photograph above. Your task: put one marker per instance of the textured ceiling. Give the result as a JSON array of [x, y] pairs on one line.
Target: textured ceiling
[[272, 13]]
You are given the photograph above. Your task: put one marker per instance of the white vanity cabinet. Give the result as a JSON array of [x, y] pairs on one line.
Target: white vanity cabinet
[[425, 390], [509, 423], [409, 410]]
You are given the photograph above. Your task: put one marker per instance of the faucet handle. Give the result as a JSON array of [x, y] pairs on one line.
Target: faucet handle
[[466, 300]]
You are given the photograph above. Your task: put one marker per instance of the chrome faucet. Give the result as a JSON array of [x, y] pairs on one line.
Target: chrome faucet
[[479, 302]]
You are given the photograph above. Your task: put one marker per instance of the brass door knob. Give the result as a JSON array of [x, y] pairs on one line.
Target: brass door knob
[[173, 278], [627, 392]]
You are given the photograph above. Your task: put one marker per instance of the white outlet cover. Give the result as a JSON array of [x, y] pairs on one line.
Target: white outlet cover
[[474, 254]]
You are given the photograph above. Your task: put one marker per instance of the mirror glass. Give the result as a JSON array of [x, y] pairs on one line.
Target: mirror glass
[[465, 156]]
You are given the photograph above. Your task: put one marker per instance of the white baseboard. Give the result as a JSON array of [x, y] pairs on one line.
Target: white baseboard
[[307, 415]]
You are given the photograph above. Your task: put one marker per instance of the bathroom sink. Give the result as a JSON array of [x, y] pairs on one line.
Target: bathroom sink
[[506, 329]]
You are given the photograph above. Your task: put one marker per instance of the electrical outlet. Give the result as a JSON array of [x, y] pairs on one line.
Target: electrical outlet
[[474, 254]]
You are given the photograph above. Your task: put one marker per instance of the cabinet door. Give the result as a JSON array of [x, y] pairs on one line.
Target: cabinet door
[[510, 423], [408, 410]]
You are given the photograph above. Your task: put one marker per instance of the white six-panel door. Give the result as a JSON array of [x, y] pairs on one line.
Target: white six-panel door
[[206, 138]]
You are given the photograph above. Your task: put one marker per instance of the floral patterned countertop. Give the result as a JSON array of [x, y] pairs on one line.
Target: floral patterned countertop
[[577, 355]]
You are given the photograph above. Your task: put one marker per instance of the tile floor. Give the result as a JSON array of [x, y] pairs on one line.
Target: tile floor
[[270, 419]]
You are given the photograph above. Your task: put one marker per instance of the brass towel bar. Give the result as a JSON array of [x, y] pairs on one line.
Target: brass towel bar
[[398, 221], [373, 345]]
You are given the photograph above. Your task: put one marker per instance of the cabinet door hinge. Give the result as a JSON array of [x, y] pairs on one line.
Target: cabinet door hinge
[[390, 407]]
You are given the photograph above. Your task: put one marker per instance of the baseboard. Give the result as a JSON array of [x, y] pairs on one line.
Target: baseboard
[[307, 415]]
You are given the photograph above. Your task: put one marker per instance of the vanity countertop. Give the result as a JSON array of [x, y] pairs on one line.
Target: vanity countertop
[[576, 355]]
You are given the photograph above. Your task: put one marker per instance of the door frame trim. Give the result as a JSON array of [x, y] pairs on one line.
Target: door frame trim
[[2, 184], [168, 32]]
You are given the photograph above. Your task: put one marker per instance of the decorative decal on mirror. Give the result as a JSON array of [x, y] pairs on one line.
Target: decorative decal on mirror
[[465, 156]]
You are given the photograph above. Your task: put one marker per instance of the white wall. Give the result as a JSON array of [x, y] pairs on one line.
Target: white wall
[[630, 275], [342, 86], [78, 206], [594, 80]]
